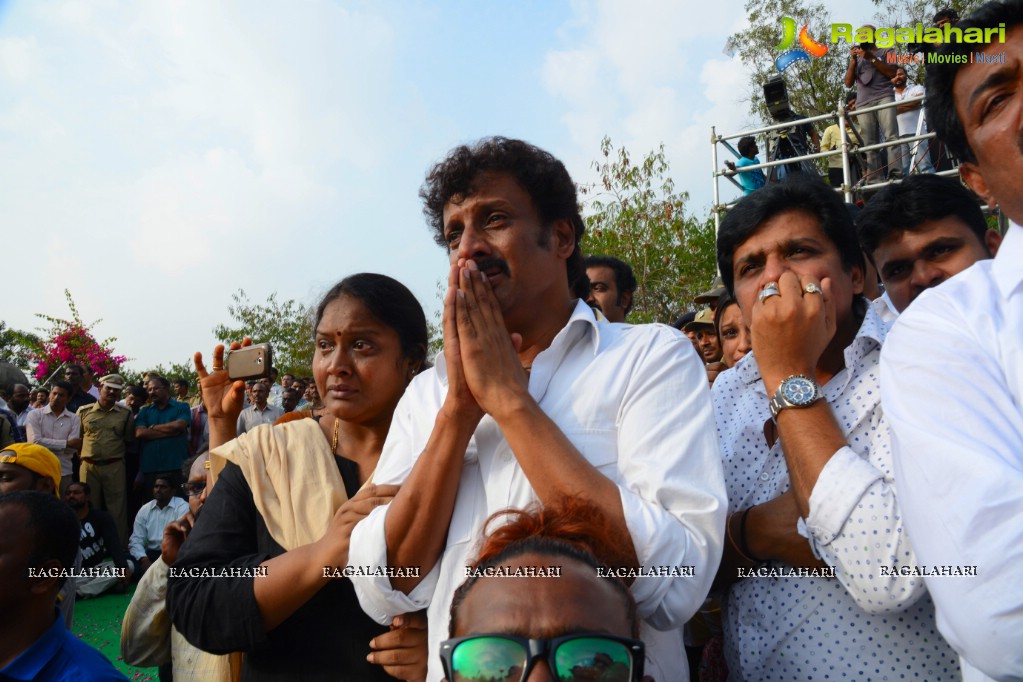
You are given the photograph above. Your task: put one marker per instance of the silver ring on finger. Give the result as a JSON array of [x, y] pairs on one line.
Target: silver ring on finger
[[770, 289], [812, 288]]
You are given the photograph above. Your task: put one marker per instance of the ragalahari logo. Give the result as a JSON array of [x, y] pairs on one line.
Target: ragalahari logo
[[808, 46]]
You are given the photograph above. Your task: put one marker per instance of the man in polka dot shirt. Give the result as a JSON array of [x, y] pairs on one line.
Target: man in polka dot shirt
[[811, 579]]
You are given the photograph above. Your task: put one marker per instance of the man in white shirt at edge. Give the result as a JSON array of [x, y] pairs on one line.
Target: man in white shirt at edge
[[808, 459], [153, 517], [534, 398], [915, 155], [952, 373]]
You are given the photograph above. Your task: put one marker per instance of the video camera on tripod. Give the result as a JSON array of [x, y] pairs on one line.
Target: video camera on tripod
[[786, 143]]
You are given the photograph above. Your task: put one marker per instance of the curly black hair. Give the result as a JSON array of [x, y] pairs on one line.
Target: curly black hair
[[541, 175]]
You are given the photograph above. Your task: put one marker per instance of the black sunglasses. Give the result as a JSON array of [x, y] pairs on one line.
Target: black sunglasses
[[193, 488], [583, 656]]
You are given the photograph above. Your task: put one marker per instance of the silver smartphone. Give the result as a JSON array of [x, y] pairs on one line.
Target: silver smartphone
[[250, 362]]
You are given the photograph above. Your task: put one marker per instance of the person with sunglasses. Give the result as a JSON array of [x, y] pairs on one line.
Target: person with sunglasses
[[566, 617], [147, 637]]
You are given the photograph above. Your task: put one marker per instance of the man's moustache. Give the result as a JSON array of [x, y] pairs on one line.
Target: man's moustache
[[491, 263]]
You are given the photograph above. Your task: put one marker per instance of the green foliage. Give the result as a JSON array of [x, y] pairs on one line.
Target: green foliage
[[176, 370], [435, 327], [287, 325], [910, 12], [19, 348], [636, 215], [814, 87]]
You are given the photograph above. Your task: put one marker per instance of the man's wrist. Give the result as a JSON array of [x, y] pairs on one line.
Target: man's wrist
[[519, 403], [754, 539], [773, 379], [463, 423]]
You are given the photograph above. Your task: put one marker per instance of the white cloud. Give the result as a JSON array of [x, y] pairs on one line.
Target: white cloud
[[183, 143], [19, 59], [642, 74]]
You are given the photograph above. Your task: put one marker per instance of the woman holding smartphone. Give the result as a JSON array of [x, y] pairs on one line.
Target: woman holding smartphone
[[260, 571]]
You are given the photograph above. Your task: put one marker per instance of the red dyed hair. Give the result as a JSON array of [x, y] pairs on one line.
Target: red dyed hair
[[572, 521]]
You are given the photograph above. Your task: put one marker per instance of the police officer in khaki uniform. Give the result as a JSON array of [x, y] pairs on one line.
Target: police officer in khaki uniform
[[107, 428]]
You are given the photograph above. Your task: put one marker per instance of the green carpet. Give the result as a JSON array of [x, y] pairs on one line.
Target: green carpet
[[98, 624]]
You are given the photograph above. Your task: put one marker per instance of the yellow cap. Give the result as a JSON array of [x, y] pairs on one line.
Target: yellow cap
[[36, 459]]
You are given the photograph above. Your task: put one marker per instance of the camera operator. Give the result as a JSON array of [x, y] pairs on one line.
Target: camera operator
[[872, 76]]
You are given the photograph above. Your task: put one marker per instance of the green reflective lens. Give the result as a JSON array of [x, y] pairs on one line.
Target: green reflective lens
[[593, 658], [488, 658], [496, 659]]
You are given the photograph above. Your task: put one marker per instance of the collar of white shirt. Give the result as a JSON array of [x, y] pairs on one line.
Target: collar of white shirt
[[1007, 270], [49, 410], [580, 323]]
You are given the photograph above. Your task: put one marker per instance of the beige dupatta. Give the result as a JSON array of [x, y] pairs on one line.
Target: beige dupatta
[[294, 480]]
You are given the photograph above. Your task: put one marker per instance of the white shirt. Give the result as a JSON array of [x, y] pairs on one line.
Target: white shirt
[[150, 522], [952, 376], [276, 395], [885, 309], [252, 416], [909, 120], [53, 431], [859, 624], [634, 401]]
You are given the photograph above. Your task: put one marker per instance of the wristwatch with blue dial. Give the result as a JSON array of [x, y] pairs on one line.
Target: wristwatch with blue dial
[[798, 390]]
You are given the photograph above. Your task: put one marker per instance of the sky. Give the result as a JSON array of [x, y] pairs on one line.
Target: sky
[[156, 155]]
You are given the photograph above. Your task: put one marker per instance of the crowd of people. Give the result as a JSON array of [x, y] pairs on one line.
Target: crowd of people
[[802, 480], [874, 78]]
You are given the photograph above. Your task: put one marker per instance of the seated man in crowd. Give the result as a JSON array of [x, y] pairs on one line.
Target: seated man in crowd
[[100, 545], [38, 540], [147, 535], [952, 372], [816, 538], [922, 231], [147, 636], [578, 623], [535, 399], [611, 286], [749, 180]]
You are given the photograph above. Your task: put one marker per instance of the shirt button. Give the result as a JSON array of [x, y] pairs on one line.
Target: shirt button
[[765, 477]]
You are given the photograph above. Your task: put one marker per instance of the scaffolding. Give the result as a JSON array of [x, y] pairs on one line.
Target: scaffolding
[[846, 148]]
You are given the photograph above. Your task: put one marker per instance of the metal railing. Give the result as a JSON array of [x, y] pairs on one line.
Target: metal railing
[[846, 149]]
